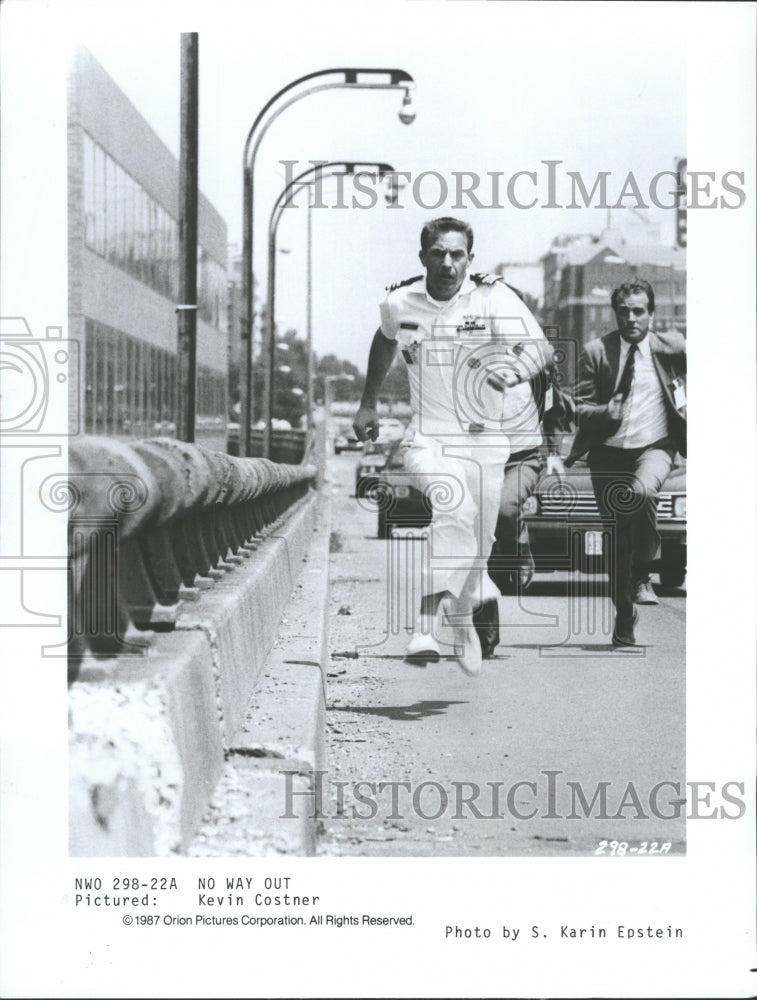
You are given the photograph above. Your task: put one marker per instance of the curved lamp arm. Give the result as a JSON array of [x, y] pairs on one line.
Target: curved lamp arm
[[349, 169], [340, 168], [398, 79]]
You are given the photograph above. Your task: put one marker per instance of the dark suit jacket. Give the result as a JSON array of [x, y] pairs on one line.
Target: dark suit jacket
[[597, 374]]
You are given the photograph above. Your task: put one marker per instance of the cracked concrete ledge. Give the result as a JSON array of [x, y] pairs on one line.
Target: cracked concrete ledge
[[149, 734], [280, 741]]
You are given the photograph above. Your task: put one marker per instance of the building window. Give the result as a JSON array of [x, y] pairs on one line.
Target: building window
[[127, 227], [211, 394], [131, 387]]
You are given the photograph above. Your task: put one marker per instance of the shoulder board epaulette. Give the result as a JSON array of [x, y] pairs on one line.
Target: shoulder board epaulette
[[401, 284], [491, 279], [486, 279]]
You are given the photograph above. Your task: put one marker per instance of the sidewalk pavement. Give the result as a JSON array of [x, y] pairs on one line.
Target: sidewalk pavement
[[280, 741], [174, 751]]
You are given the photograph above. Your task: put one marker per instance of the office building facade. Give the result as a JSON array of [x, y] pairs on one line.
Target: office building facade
[[123, 264], [580, 273]]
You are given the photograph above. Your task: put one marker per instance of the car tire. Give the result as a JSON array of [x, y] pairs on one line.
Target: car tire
[[385, 527], [507, 582], [672, 576], [362, 487], [672, 566]]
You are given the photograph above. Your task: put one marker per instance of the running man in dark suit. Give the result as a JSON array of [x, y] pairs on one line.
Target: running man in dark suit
[[511, 565], [631, 414]]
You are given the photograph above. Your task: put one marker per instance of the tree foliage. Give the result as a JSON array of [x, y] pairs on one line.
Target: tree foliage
[[290, 381]]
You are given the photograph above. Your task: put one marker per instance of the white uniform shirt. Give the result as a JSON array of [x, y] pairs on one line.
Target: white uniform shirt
[[451, 346], [645, 419]]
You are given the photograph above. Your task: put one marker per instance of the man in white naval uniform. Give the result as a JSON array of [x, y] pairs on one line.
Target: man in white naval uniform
[[470, 345]]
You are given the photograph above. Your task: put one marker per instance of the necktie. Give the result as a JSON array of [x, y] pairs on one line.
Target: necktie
[[626, 379]]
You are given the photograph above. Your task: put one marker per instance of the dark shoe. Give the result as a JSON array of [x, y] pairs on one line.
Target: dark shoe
[[526, 575], [506, 581], [643, 593], [623, 634], [459, 616], [486, 621]]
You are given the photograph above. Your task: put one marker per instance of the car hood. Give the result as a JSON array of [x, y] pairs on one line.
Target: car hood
[[578, 478]]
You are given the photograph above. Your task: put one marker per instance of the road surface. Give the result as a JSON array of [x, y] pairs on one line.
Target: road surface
[[562, 746]]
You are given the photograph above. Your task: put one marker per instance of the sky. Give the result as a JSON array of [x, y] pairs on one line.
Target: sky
[[500, 88]]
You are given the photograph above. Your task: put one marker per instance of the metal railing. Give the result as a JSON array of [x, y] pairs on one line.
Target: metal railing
[[152, 523], [286, 446]]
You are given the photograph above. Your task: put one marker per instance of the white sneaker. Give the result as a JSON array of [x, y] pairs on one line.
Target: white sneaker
[[422, 649], [465, 637]]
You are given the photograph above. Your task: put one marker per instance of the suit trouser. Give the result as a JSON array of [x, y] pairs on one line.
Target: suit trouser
[[462, 482], [510, 549], [626, 484]]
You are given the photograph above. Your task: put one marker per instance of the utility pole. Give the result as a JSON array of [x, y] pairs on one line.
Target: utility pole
[[187, 308], [309, 378], [681, 229]]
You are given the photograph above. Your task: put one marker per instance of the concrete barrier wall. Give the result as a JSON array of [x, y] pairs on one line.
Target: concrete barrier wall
[[150, 522], [150, 733]]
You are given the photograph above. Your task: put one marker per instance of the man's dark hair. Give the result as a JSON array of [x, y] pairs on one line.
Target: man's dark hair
[[635, 287], [445, 225]]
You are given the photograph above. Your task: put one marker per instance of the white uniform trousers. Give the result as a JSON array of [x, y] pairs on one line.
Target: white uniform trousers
[[463, 481]]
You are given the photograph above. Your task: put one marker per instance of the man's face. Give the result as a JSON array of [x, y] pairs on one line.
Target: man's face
[[446, 262], [633, 317]]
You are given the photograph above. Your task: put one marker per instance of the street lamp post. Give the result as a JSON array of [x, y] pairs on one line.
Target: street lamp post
[[309, 315], [186, 311], [346, 78], [391, 198], [327, 381], [339, 168]]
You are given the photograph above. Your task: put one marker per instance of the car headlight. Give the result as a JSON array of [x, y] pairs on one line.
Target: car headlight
[[679, 507], [366, 469], [402, 491], [530, 506]]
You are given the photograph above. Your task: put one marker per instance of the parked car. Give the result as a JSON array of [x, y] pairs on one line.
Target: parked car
[[371, 462], [345, 440], [390, 429], [564, 526], [566, 531], [392, 492]]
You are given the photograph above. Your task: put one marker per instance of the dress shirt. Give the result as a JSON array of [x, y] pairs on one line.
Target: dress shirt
[[645, 418]]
